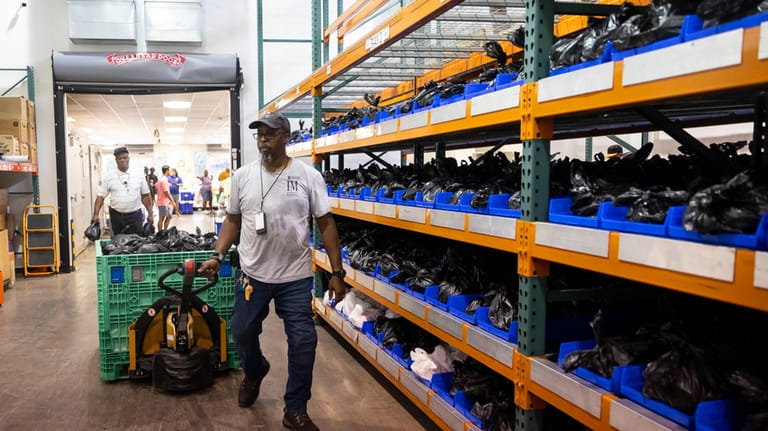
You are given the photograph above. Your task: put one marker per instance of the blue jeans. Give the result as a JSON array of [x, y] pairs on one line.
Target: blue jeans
[[293, 304]]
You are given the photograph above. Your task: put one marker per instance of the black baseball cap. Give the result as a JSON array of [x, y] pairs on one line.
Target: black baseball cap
[[120, 150], [273, 121], [613, 151]]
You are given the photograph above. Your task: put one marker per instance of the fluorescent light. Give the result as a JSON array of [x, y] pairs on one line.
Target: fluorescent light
[[175, 119], [70, 119], [86, 130], [174, 129], [177, 104]]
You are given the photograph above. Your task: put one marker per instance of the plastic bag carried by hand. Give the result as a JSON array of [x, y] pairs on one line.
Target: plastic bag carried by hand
[[93, 232], [148, 229]]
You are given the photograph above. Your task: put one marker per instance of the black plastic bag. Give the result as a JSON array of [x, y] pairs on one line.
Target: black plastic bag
[[148, 229], [715, 12], [684, 377], [503, 309], [93, 232], [481, 301]]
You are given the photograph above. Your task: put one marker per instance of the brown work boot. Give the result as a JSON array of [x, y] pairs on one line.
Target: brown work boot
[[299, 422], [249, 389]]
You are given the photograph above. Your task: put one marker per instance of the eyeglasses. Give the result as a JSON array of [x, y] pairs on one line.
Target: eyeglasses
[[271, 134]]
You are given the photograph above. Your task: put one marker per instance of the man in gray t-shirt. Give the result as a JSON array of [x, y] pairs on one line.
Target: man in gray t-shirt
[[270, 204]]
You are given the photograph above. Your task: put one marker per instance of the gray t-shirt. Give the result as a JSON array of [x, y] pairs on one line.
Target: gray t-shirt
[[282, 254]]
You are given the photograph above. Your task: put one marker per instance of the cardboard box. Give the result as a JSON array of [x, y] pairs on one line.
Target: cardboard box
[[33, 154], [31, 113], [4, 199], [5, 260], [15, 128], [12, 269], [13, 108], [23, 149], [9, 144], [31, 135]]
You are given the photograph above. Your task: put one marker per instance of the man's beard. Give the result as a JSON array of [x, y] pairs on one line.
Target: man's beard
[[267, 156]]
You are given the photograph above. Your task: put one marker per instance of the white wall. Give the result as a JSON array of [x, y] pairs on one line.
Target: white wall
[[30, 37]]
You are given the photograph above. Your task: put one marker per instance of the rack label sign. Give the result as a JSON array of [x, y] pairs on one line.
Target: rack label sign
[[377, 39]]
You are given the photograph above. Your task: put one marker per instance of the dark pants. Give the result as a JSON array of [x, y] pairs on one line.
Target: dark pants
[[131, 222], [293, 304]]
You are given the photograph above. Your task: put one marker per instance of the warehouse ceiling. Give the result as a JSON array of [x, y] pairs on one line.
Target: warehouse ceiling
[[141, 121]]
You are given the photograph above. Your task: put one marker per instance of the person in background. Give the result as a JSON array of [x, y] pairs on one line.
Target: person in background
[[614, 150], [164, 200], [223, 176], [127, 192], [271, 202], [205, 191], [152, 182], [175, 182]]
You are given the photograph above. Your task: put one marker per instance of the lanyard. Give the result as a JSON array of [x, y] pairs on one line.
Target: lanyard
[[261, 176]]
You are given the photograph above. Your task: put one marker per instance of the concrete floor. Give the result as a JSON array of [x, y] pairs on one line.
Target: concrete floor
[[49, 372]]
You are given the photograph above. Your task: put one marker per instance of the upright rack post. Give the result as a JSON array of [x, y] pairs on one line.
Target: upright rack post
[[535, 133], [317, 112]]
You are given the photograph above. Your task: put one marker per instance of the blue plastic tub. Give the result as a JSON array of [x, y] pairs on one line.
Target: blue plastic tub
[[497, 205], [709, 415], [442, 384], [464, 405], [557, 329], [439, 101], [560, 212], [615, 218], [465, 204], [431, 296], [442, 199], [477, 89], [418, 201], [397, 195], [457, 305], [613, 384], [506, 80], [756, 241]]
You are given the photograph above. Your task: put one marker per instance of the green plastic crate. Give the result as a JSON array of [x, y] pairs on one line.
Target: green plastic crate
[[127, 285]]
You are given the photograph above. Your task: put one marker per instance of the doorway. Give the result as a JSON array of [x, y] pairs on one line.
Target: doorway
[[99, 106]]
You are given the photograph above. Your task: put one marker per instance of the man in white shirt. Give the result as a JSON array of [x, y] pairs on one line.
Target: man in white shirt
[[128, 192], [270, 204]]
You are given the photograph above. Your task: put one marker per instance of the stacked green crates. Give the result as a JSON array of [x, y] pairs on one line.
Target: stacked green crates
[[127, 285]]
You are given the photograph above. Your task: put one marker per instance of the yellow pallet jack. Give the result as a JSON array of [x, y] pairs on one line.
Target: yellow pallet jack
[[179, 341]]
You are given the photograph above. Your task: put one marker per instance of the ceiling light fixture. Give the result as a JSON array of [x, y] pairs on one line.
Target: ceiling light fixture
[[175, 119], [177, 104], [70, 119]]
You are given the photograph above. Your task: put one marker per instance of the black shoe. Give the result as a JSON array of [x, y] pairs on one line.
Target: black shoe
[[299, 422], [249, 389]]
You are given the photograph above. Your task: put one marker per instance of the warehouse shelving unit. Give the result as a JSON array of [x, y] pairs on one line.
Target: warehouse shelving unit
[[685, 84]]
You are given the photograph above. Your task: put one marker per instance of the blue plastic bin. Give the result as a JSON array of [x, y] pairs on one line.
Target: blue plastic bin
[[560, 212], [709, 415], [756, 241], [615, 218], [464, 405], [442, 384], [557, 329], [477, 89], [442, 199], [497, 205], [457, 305], [431, 296], [613, 384]]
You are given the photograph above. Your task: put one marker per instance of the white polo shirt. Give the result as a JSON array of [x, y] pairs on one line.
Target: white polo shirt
[[125, 190]]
